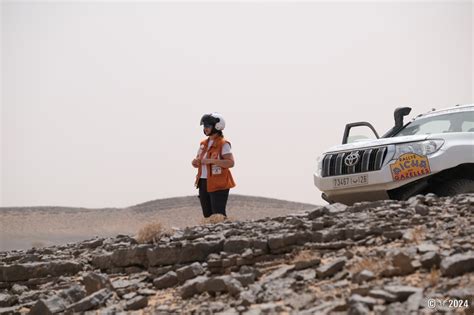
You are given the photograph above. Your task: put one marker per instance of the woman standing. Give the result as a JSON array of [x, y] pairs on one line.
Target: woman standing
[[213, 161]]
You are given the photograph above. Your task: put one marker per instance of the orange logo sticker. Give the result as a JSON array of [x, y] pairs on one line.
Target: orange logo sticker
[[410, 165]]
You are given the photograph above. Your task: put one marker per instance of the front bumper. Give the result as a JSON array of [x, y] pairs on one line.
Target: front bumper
[[381, 181]]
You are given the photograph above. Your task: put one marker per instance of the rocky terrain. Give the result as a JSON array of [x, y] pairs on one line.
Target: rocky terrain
[[384, 257]]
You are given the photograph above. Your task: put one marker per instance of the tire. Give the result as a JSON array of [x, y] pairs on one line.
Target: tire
[[455, 186]]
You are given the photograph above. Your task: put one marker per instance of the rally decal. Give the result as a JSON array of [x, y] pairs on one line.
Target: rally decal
[[410, 165]]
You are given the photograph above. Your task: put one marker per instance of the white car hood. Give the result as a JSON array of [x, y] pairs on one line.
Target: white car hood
[[376, 143]]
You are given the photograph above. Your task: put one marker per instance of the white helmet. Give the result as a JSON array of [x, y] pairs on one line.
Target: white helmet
[[220, 125], [214, 119]]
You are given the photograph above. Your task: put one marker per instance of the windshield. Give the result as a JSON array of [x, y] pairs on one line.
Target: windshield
[[462, 121]]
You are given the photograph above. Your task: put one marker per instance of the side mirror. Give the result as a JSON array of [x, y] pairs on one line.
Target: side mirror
[[356, 124]]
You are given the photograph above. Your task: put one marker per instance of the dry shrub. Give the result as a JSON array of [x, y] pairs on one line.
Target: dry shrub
[[418, 234], [376, 265], [433, 277], [215, 218], [152, 232]]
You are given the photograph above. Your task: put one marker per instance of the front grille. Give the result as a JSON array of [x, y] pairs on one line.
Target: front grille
[[370, 159]]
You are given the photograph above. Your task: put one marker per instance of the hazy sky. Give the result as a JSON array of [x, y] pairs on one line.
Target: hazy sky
[[101, 102]]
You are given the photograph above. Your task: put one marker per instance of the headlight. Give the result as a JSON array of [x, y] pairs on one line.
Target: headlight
[[426, 147], [319, 165]]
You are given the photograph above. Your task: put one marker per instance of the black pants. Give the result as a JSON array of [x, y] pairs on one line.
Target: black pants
[[212, 202]]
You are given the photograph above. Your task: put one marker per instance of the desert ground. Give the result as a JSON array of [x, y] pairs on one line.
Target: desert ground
[[381, 257], [26, 227]]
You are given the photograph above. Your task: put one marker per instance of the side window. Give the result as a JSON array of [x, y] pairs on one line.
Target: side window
[[436, 126], [467, 126], [360, 133]]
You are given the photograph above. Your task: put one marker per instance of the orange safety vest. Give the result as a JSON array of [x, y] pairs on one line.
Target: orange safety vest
[[218, 178]]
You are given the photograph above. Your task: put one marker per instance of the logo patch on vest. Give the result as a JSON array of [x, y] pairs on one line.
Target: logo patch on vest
[[216, 170]]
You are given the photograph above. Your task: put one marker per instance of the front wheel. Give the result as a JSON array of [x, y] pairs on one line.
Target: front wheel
[[454, 187]]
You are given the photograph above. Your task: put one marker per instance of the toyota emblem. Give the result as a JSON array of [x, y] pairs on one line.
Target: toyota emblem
[[352, 159]]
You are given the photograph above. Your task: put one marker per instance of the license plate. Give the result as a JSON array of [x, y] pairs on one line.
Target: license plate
[[349, 181]]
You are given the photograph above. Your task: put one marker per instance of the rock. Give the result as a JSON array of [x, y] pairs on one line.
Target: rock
[[383, 295], [403, 263], [126, 284], [304, 275], [127, 257], [424, 248], [357, 299], [10, 310], [457, 265], [159, 271], [358, 309], [168, 280], [18, 289], [132, 269], [395, 308], [189, 288], [362, 289], [146, 292], [92, 301], [49, 306], [462, 293], [362, 276], [23, 272], [102, 261], [335, 208], [401, 292], [317, 226], [7, 300], [189, 272], [95, 281], [392, 235], [91, 244], [408, 236], [221, 284], [303, 264], [278, 273], [190, 252], [430, 259], [236, 244], [276, 242], [247, 269], [244, 279], [129, 296], [260, 244], [422, 209], [248, 298], [329, 307], [331, 268], [414, 301], [136, 303], [298, 301], [317, 212], [163, 255], [73, 294]]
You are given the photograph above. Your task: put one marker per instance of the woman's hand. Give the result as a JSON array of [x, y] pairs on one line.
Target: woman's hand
[[196, 163], [226, 162], [208, 161]]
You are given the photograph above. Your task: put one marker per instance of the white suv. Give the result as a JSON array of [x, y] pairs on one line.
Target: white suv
[[434, 152]]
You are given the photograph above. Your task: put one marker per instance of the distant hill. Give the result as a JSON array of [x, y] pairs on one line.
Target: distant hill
[[23, 227], [234, 201]]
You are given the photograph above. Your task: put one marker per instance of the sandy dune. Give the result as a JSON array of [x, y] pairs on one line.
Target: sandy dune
[[25, 227]]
